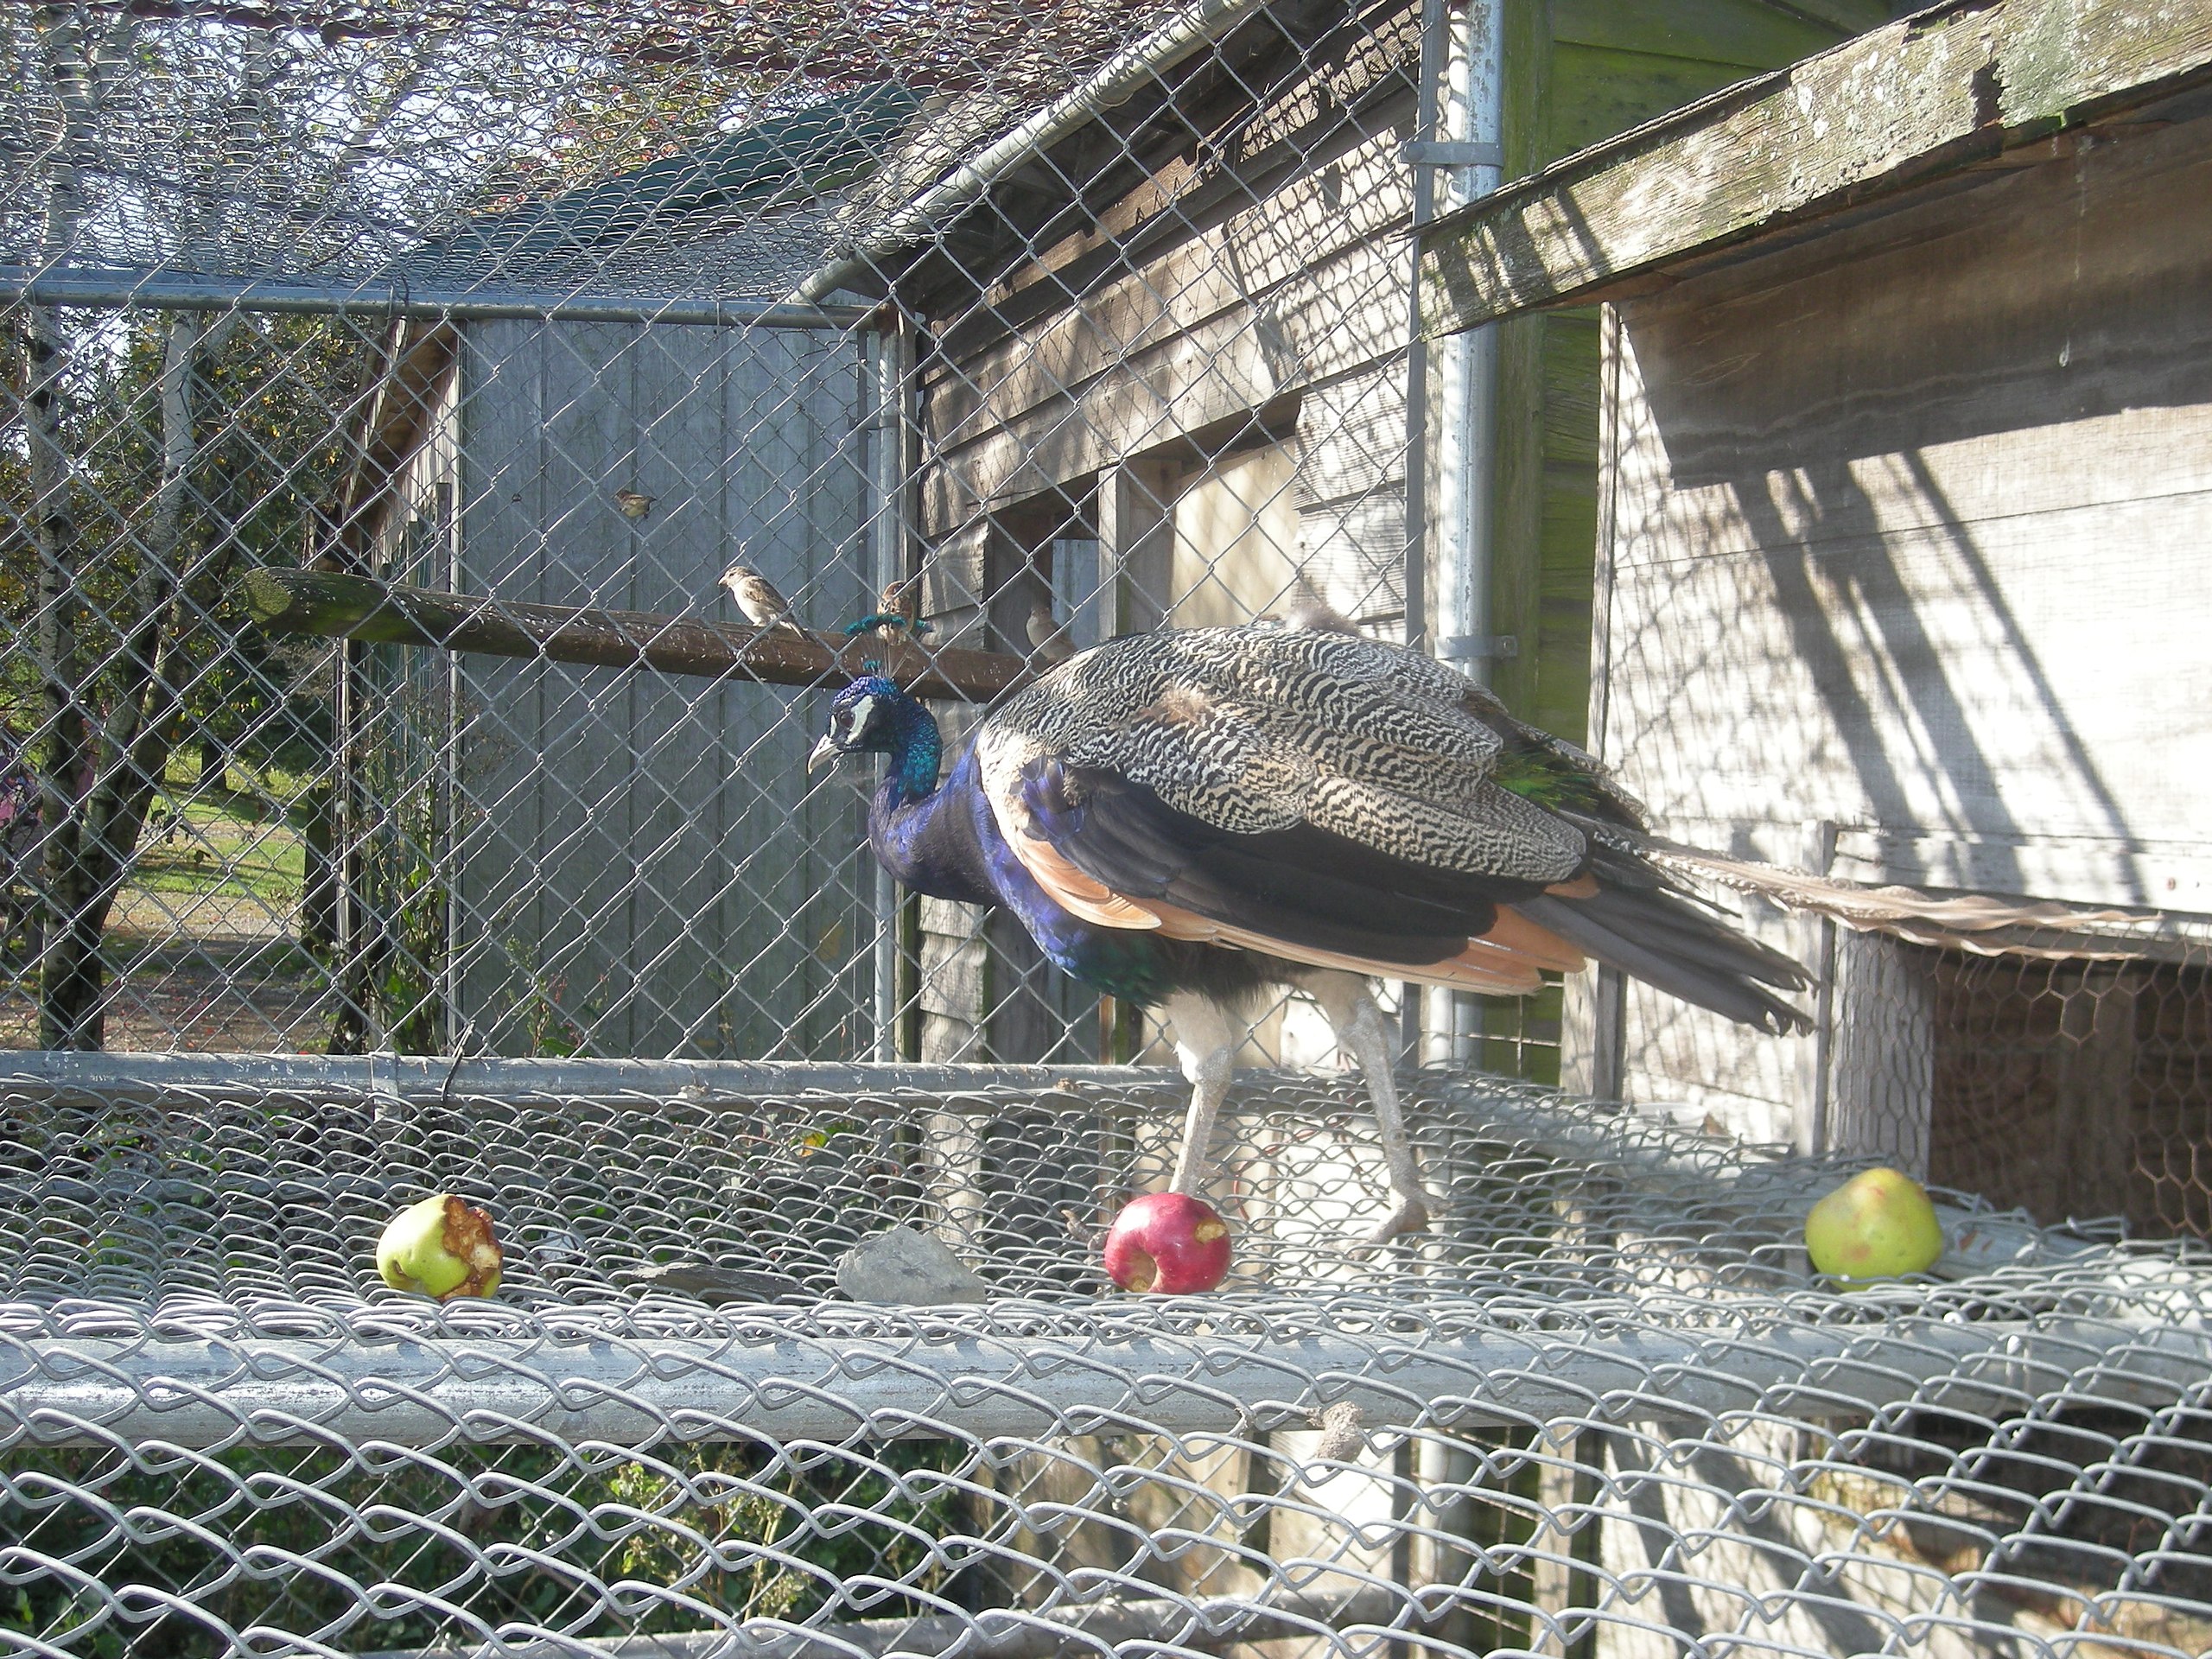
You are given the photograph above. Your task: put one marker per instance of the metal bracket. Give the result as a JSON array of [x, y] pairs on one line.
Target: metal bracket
[[1488, 647], [1451, 152]]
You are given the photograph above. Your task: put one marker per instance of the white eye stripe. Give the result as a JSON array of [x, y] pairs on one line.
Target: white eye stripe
[[859, 714]]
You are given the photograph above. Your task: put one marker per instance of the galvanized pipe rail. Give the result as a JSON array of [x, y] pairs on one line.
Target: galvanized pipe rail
[[1200, 1623], [120, 288], [960, 1371]]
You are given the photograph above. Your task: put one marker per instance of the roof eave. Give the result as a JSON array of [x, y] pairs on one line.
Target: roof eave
[[1877, 117]]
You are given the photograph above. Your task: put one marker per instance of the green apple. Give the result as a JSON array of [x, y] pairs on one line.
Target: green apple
[[442, 1248], [1877, 1224]]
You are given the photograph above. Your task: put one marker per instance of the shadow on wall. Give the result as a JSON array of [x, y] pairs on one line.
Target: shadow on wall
[[1898, 518]]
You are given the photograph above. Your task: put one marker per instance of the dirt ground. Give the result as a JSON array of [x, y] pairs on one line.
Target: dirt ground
[[212, 992], [205, 939]]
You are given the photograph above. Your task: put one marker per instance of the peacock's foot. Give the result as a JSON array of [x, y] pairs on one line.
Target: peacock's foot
[[1410, 1216]]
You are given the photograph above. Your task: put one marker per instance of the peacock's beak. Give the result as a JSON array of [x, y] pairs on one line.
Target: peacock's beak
[[824, 752]]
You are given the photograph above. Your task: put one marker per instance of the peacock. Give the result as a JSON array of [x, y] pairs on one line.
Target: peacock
[[1190, 819]]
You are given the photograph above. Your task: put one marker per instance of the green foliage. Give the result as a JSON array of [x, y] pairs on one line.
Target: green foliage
[[503, 1533], [146, 648]]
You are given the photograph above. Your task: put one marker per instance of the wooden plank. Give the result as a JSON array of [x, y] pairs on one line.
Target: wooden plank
[[1517, 508], [1746, 32], [580, 846], [500, 438], [1232, 269], [1351, 496], [1329, 97], [663, 561], [1341, 317], [687, 737], [1352, 554], [1597, 91], [1353, 437], [1881, 1083], [1134, 510], [832, 873], [1971, 684], [1946, 336], [1893, 108]]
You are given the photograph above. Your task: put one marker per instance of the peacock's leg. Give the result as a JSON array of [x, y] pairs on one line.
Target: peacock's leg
[[1362, 1034], [1205, 1042]]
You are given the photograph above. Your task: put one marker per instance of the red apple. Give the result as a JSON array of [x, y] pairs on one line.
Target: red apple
[[1168, 1242]]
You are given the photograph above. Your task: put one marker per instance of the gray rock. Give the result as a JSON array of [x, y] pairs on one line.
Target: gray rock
[[902, 1265]]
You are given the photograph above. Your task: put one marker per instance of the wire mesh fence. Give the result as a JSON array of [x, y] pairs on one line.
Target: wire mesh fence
[[572, 307], [389, 389], [1605, 1410]]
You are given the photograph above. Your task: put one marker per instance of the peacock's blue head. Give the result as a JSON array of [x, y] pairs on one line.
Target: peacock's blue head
[[873, 716]]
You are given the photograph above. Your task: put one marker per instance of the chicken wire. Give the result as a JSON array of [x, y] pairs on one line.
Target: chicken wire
[[575, 305], [1603, 1410]]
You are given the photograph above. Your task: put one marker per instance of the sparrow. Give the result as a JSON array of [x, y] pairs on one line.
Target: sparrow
[[757, 597], [900, 613], [1047, 639]]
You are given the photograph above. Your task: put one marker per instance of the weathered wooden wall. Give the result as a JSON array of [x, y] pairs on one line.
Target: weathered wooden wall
[[1898, 551], [1249, 289], [1577, 73], [637, 863], [1228, 337]]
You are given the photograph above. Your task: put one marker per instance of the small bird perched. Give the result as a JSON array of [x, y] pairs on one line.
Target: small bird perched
[[633, 504], [903, 599], [1047, 639], [757, 597], [1187, 819], [901, 612]]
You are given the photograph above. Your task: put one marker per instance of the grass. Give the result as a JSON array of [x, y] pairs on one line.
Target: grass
[[204, 936], [218, 862]]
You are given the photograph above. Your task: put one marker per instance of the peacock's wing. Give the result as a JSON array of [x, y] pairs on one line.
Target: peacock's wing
[[1331, 800], [1320, 796]]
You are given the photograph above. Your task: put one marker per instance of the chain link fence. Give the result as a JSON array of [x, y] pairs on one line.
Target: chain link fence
[[387, 388], [575, 307], [1605, 1410]]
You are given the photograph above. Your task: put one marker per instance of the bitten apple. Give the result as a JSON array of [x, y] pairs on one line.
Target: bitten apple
[[440, 1246], [1879, 1225], [1168, 1242]]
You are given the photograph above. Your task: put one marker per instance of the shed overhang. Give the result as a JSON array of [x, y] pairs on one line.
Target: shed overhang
[[1881, 118]]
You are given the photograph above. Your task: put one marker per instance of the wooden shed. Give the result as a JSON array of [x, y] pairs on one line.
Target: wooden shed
[[1166, 352], [1906, 478], [551, 859]]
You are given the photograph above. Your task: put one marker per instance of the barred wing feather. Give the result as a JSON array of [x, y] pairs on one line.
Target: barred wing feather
[[1339, 802]]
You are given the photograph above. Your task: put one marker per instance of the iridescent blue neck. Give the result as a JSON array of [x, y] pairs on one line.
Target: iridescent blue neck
[[917, 752]]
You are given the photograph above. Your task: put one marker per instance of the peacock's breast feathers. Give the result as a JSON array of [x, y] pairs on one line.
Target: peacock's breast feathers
[[1258, 728]]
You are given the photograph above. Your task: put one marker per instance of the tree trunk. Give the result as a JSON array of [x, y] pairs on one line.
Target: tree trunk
[[55, 537], [140, 730]]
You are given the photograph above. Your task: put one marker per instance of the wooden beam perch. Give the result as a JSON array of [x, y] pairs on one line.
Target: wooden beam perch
[[353, 608]]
